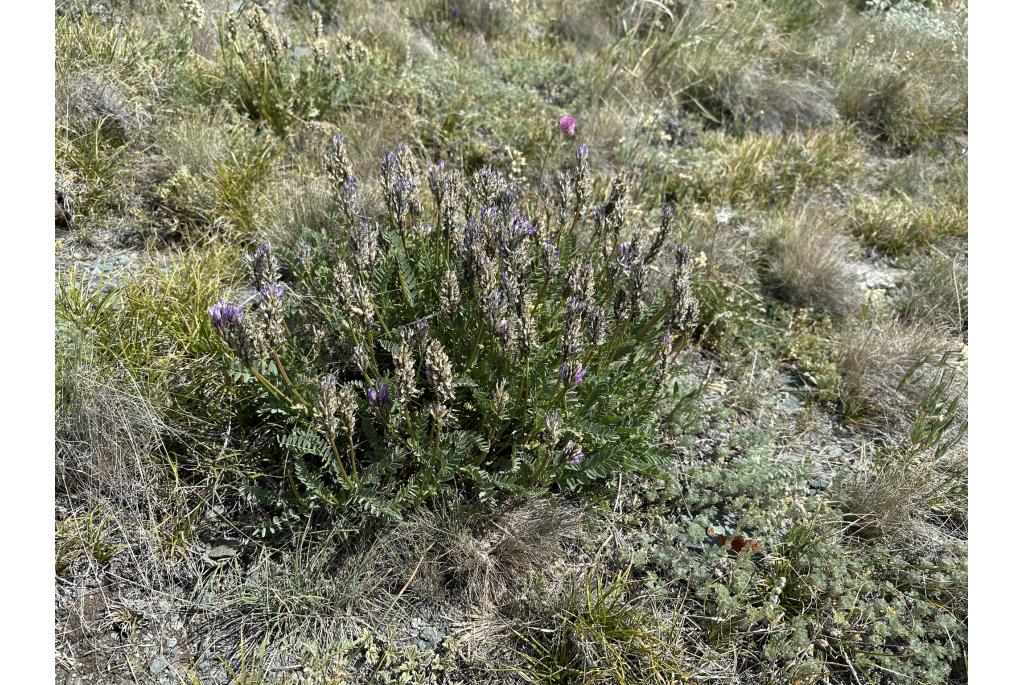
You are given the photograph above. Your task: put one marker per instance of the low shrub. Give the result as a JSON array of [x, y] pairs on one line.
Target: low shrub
[[476, 342]]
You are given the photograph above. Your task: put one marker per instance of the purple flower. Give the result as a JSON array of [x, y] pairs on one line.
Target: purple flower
[[223, 315], [377, 396], [582, 152], [572, 374], [567, 123], [271, 289], [578, 377], [572, 453]]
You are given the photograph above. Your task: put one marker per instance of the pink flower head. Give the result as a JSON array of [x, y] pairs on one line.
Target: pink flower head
[[567, 123]]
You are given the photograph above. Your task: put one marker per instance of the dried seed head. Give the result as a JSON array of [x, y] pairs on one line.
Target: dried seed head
[[273, 43], [666, 344], [597, 326], [572, 327], [449, 295], [262, 267], [581, 280], [438, 412], [552, 424], [347, 409], [500, 397], [399, 173], [405, 374], [361, 359], [684, 310], [354, 297], [549, 259], [364, 239], [527, 338], [270, 311], [338, 165], [328, 404], [231, 27], [583, 181], [318, 25], [566, 194], [439, 371]]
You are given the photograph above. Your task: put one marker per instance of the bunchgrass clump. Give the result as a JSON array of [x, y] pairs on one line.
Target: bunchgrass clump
[[474, 341], [936, 292], [920, 96], [881, 364], [898, 226], [766, 170], [807, 262]]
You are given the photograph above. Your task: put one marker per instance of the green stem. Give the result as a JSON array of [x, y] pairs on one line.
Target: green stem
[[476, 345], [268, 385], [337, 456], [352, 454]]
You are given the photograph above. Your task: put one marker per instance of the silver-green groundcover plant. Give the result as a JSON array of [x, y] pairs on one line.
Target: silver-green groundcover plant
[[475, 342]]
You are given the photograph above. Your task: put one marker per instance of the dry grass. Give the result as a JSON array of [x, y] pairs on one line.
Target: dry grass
[[918, 486], [767, 103], [807, 261], [882, 364], [936, 293]]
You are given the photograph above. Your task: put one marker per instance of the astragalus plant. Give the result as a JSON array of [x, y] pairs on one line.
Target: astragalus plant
[[473, 341]]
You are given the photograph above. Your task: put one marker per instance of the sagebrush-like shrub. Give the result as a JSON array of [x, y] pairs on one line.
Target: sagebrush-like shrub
[[473, 341]]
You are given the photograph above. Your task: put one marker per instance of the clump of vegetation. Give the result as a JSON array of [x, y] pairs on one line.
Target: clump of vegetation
[[881, 364], [807, 262], [897, 226], [464, 346], [936, 292]]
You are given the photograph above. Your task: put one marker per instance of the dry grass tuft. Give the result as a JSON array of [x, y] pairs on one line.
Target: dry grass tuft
[[767, 103], [527, 541], [91, 99], [918, 487], [882, 365], [936, 293], [806, 261], [106, 428]]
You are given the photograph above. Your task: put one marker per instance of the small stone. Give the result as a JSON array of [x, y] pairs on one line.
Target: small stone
[[158, 664], [171, 643]]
